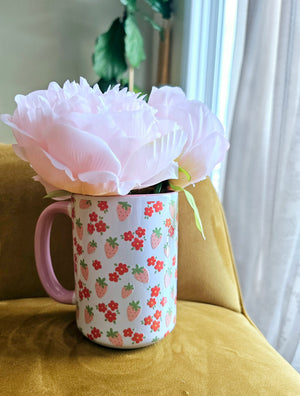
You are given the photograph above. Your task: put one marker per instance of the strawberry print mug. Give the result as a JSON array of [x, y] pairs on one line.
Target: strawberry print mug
[[125, 266]]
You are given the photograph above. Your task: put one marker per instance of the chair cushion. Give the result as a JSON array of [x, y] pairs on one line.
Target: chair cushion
[[212, 351], [206, 270]]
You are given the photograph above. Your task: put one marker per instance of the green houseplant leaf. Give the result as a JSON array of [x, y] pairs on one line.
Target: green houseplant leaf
[[164, 7], [108, 59], [134, 43]]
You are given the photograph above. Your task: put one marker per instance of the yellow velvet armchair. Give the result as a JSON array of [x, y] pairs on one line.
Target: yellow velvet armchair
[[214, 349]]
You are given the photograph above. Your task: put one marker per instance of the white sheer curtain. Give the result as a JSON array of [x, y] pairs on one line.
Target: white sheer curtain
[[262, 188]]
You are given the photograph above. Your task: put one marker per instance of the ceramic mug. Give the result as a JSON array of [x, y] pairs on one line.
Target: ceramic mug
[[125, 265]]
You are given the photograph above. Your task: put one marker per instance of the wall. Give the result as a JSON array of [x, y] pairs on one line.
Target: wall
[[53, 40]]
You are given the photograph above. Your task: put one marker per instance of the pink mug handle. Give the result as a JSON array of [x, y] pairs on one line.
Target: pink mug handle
[[43, 256]]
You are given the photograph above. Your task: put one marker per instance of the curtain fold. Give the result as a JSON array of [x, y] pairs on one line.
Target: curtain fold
[[262, 189]]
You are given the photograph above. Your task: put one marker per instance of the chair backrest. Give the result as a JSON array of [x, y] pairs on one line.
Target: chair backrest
[[206, 271]]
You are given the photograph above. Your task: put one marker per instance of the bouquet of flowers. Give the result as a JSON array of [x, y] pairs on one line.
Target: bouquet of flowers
[[80, 140]]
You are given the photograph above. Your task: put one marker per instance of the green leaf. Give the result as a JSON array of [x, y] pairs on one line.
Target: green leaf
[[58, 194], [193, 205], [109, 55], [130, 5], [134, 43], [155, 25], [164, 7]]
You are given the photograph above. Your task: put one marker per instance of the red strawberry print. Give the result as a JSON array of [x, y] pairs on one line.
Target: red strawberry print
[[172, 209], [126, 290], [97, 264], [133, 310], [158, 206], [168, 317], [111, 247], [140, 232], [113, 277], [137, 244], [138, 337], [115, 337], [88, 314], [168, 278], [93, 216], [84, 204], [167, 250], [123, 210], [159, 266], [79, 229], [155, 325], [156, 237], [102, 205], [84, 269], [148, 212], [90, 228], [91, 247], [141, 274], [127, 332], [96, 333], [100, 287]]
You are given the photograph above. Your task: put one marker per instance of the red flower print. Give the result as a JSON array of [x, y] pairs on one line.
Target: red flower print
[[151, 261], [155, 325], [73, 213], [86, 292], [102, 205], [80, 295], [75, 241], [90, 337], [159, 265], [138, 244], [155, 291], [90, 228], [140, 232], [127, 332], [164, 301], [168, 223], [101, 226], [174, 260], [96, 332], [138, 337], [158, 206], [113, 305], [148, 320], [79, 249], [128, 236], [80, 284], [122, 269], [97, 264], [171, 231], [111, 316], [157, 314], [93, 216], [113, 277], [148, 212], [151, 302], [102, 307]]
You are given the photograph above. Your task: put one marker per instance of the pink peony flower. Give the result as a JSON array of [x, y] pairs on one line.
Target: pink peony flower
[[83, 141], [206, 145]]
